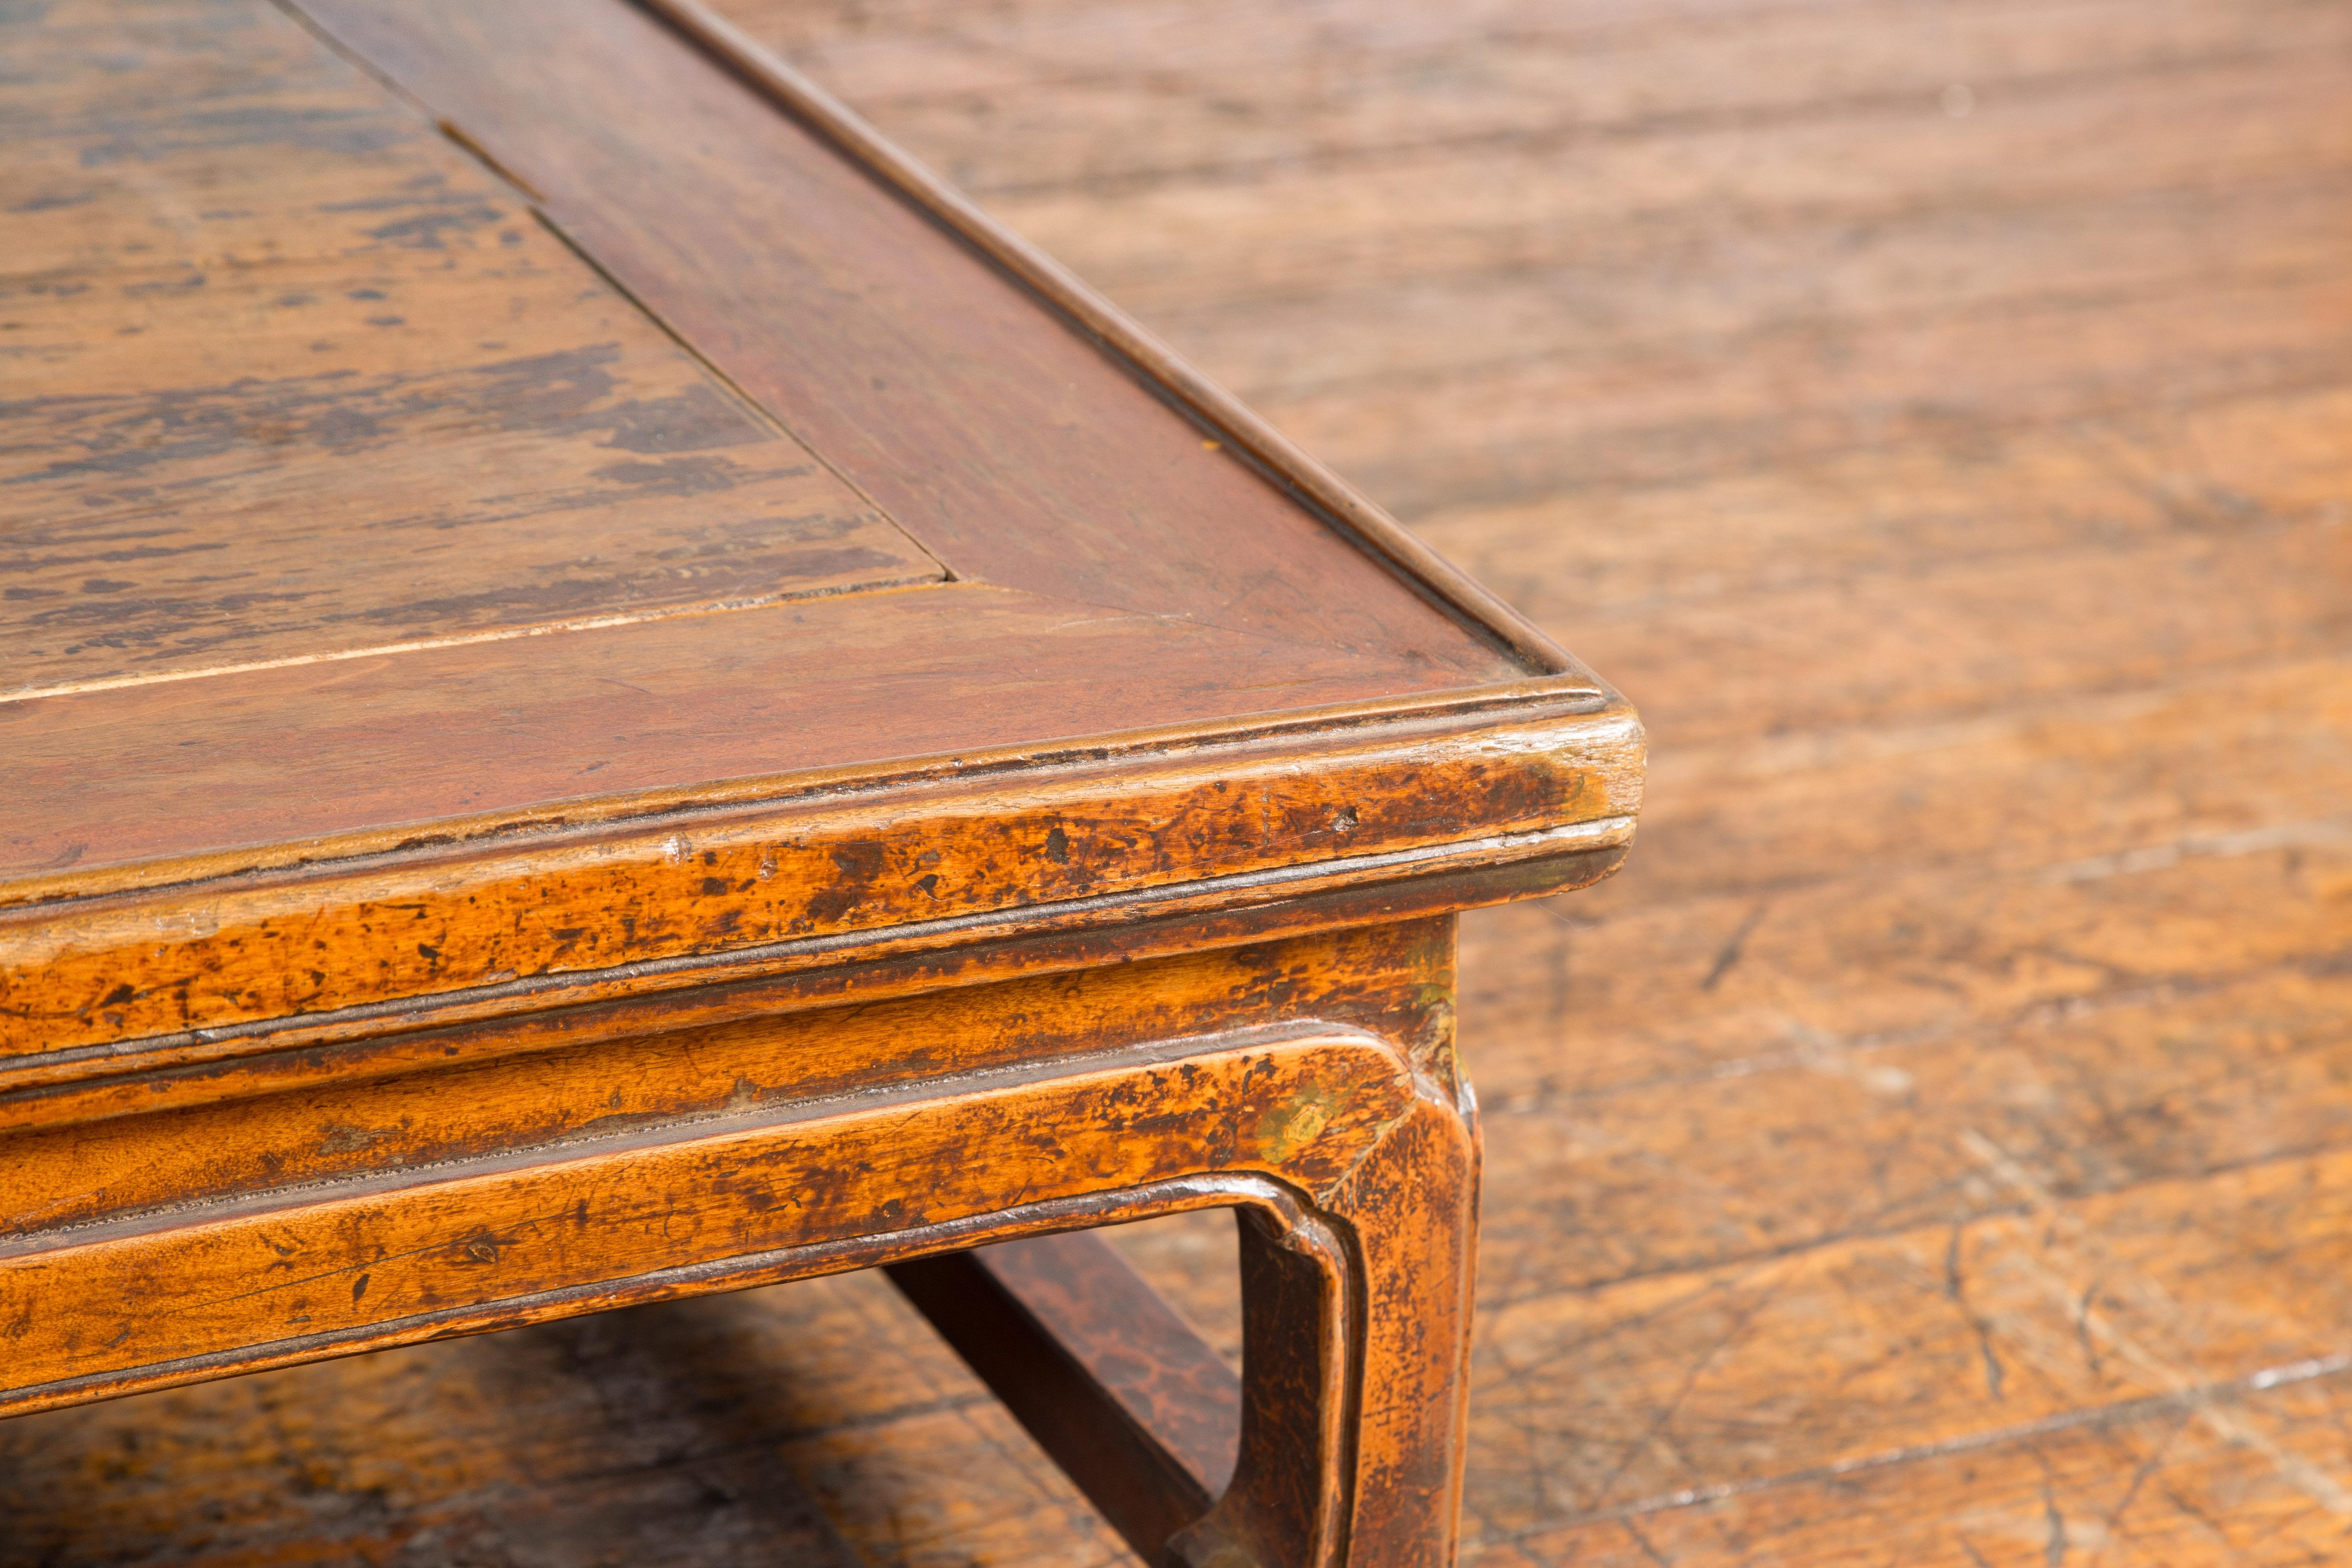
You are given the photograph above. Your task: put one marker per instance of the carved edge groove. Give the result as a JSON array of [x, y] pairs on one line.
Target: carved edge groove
[[357, 1050], [1297, 1103], [87, 978], [1340, 1217]]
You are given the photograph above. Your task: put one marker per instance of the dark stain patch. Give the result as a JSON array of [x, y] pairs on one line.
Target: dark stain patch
[[24, 13], [164, 622], [675, 477], [693, 420], [180, 463], [427, 187], [345, 429], [802, 563], [857, 867], [187, 283], [558, 395], [1057, 847], [519, 604], [44, 288], [339, 1137], [52, 202], [354, 132], [425, 231]]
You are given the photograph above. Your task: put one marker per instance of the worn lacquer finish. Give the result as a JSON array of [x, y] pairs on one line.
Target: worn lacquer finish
[[605, 695], [448, 1099], [229, 951], [342, 1265], [1009, 444], [291, 376], [1113, 567], [1111, 1381], [453, 1200], [1963, 494]]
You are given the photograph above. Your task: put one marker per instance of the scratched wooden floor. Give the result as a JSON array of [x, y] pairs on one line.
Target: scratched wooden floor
[[1936, 1148]]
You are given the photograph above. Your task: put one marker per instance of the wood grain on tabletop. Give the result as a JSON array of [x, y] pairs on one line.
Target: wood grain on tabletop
[[1935, 1147], [372, 340], [289, 375]]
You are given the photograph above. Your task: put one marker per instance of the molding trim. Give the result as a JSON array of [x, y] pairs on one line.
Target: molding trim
[[1208, 896]]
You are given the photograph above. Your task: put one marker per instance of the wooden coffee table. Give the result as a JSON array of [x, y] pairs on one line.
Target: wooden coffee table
[[606, 692]]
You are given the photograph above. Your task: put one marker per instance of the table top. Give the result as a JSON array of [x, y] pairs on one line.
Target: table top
[[545, 470]]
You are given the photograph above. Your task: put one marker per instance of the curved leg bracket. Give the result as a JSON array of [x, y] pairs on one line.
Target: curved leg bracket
[[1355, 1175], [1342, 1442]]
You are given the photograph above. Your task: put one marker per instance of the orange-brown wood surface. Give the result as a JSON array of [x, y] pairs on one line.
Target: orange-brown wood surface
[[1937, 1147], [774, 1052], [300, 1274], [281, 530], [155, 1250], [373, 722], [1046, 805]]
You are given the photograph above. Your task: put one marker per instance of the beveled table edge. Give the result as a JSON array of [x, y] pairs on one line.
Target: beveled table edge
[[36, 894], [1483, 783]]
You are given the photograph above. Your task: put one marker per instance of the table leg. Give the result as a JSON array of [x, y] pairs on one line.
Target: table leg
[[1353, 1387], [1356, 1318]]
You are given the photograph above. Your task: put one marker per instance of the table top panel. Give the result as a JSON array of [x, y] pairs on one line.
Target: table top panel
[[509, 506], [298, 377], [1007, 444], [291, 376]]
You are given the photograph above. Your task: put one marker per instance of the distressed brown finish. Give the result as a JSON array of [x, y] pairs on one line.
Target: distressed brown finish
[[356, 1047], [1355, 1158], [134, 787], [1962, 498], [1023, 456], [154, 1299], [291, 376], [1963, 495], [343, 1118], [1149, 576], [680, 711], [685, 886]]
